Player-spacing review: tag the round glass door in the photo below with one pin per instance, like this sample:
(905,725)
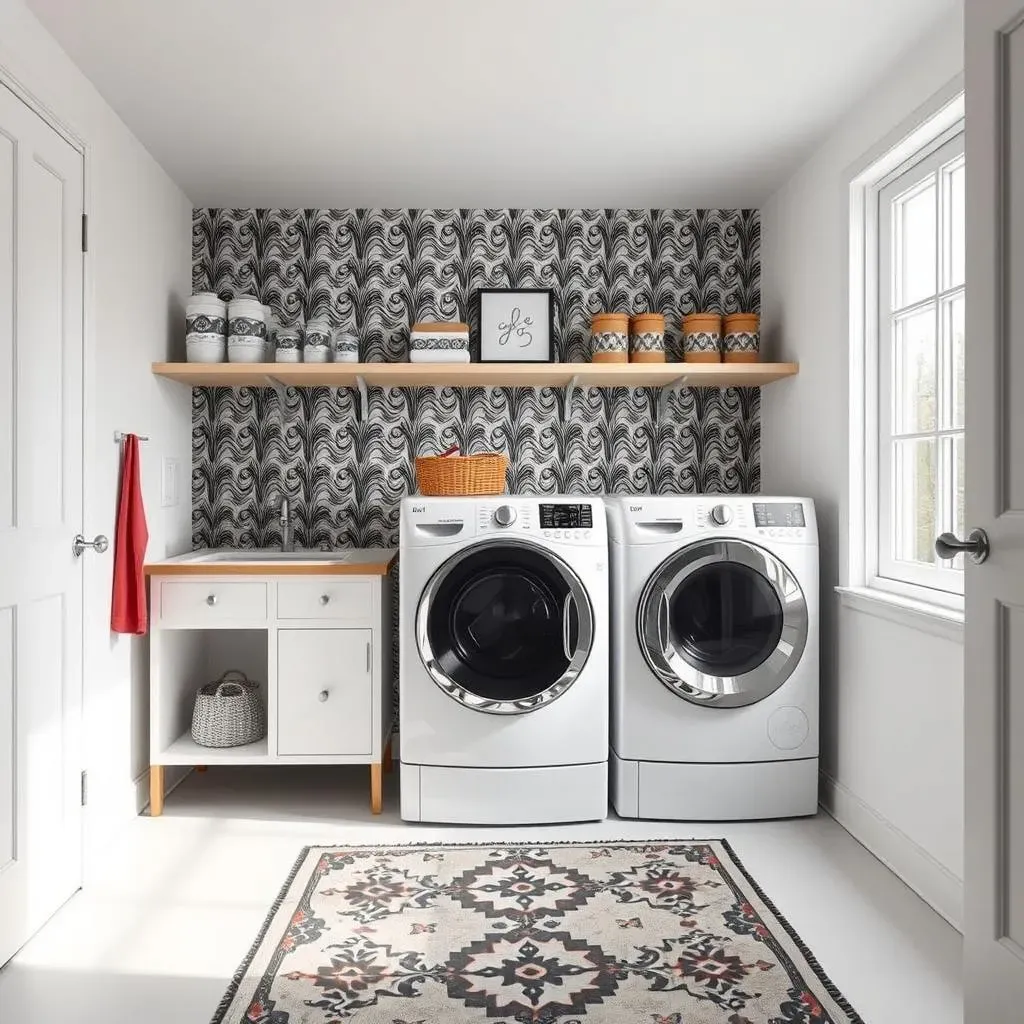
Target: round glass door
(504,627)
(722,623)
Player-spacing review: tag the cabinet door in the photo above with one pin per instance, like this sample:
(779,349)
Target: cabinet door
(324,692)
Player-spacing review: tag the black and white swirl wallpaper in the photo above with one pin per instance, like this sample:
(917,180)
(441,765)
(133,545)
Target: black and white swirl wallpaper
(375,272)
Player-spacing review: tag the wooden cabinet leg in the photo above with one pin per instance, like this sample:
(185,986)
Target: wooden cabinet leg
(387,758)
(376,787)
(156,790)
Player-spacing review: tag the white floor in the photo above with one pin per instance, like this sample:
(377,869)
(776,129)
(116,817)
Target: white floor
(181,899)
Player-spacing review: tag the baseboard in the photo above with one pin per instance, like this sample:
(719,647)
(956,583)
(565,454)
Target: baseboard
(932,881)
(174,776)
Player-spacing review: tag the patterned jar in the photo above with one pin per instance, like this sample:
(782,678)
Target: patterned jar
(609,338)
(742,338)
(345,347)
(289,345)
(247,330)
(702,338)
(318,340)
(206,328)
(647,338)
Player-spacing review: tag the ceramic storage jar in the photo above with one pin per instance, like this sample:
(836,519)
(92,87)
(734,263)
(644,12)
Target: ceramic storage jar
(702,338)
(247,330)
(741,340)
(609,338)
(345,347)
(647,338)
(318,340)
(206,328)
(289,345)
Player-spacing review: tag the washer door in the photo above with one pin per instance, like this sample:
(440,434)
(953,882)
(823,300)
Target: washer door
(722,623)
(504,627)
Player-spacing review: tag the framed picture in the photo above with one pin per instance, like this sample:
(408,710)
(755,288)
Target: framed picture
(517,325)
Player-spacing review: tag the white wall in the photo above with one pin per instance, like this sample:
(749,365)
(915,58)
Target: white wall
(138,278)
(892,745)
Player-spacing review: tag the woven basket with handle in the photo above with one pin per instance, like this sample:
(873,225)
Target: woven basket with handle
(228,712)
(443,475)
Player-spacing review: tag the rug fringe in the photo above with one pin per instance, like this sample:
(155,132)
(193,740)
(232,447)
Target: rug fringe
(826,982)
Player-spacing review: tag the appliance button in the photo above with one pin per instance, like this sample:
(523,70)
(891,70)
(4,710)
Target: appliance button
(721,515)
(547,533)
(504,515)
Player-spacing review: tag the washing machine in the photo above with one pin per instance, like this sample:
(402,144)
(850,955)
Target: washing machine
(715,674)
(503,660)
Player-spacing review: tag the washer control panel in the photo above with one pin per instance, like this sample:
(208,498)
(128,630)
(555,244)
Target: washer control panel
(553,520)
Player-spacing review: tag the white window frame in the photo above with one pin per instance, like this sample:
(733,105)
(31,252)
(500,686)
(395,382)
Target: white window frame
(863,571)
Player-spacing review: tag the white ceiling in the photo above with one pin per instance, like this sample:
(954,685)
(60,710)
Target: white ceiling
(483,102)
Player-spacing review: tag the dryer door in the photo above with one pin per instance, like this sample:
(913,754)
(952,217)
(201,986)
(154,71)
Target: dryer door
(504,627)
(722,623)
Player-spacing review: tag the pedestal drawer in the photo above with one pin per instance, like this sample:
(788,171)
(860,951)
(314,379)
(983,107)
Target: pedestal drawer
(211,603)
(338,598)
(324,692)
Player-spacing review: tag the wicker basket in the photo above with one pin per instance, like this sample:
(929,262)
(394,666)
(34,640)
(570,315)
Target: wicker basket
(443,475)
(228,712)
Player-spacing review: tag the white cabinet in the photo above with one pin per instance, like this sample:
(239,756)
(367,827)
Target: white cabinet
(324,692)
(318,645)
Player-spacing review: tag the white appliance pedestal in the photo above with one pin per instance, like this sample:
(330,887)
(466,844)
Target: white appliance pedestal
(714,792)
(505,796)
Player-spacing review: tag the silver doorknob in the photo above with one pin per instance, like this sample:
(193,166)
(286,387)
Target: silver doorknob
(323,696)
(505,515)
(99,544)
(976,547)
(211,600)
(325,598)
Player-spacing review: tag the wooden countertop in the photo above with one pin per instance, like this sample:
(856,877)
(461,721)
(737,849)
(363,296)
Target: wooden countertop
(347,562)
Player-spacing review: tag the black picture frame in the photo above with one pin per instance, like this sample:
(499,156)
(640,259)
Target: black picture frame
(492,349)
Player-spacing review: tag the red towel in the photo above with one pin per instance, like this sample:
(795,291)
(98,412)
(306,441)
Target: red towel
(128,613)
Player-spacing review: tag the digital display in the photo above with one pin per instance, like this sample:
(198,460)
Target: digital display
(566,517)
(788,513)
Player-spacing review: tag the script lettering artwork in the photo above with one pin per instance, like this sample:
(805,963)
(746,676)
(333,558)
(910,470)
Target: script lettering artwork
(519,326)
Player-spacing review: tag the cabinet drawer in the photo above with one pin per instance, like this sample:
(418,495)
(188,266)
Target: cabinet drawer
(338,599)
(324,692)
(210,603)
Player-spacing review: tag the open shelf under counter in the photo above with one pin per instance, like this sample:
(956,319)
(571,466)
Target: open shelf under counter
(185,751)
(525,375)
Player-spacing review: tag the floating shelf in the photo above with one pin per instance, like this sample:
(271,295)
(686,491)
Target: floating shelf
(525,375)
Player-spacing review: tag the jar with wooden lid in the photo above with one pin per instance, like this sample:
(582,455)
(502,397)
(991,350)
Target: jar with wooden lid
(647,338)
(741,341)
(609,338)
(702,338)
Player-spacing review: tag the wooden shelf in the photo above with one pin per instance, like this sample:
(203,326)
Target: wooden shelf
(525,375)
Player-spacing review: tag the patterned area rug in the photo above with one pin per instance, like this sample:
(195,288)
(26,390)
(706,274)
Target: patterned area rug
(652,932)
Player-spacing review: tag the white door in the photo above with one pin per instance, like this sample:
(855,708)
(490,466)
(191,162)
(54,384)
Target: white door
(40,513)
(994,637)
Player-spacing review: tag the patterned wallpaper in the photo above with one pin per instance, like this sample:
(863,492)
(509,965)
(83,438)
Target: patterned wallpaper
(377,271)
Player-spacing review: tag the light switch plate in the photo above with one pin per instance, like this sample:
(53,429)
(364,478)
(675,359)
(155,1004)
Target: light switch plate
(169,482)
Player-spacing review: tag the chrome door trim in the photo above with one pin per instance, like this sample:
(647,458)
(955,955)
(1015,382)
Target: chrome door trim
(671,666)
(584,642)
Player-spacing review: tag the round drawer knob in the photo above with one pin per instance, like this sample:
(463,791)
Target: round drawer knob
(211,600)
(323,695)
(325,598)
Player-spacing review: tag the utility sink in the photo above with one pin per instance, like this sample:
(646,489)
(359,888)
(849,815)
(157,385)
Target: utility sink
(257,555)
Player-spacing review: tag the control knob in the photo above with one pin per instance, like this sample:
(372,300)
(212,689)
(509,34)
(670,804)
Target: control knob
(721,514)
(504,515)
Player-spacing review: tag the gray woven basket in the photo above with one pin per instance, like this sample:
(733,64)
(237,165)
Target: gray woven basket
(228,712)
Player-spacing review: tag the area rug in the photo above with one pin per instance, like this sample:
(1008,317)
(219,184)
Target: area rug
(653,932)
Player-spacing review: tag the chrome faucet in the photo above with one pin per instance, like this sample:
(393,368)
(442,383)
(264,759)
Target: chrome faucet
(287,536)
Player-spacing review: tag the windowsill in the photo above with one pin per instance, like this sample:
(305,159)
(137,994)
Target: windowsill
(907,611)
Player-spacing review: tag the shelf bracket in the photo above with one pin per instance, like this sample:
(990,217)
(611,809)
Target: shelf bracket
(364,401)
(666,390)
(570,390)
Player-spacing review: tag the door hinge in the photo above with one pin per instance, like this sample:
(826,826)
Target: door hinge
(85,788)
(85,232)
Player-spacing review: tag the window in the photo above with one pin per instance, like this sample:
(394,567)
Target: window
(918,478)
